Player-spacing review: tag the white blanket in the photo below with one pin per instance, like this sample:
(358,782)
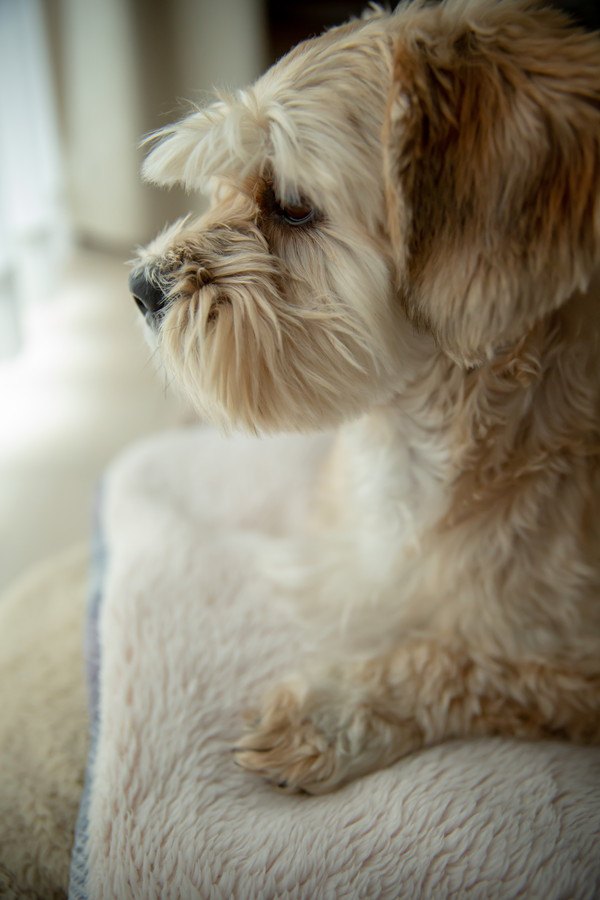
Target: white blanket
(191,635)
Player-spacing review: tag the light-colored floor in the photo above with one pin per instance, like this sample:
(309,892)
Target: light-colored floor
(83,387)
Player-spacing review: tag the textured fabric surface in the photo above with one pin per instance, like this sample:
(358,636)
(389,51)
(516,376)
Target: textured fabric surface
(191,634)
(79,861)
(43,725)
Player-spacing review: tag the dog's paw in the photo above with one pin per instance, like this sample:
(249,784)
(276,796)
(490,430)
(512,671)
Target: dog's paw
(313,737)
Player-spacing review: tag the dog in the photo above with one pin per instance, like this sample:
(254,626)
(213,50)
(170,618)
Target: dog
(403,244)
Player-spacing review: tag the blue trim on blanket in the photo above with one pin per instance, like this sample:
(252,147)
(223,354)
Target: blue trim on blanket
(79,856)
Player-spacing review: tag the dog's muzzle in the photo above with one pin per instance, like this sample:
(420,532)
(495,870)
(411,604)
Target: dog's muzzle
(149,298)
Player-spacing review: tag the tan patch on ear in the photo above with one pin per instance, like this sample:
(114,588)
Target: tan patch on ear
(403,117)
(526,422)
(493,170)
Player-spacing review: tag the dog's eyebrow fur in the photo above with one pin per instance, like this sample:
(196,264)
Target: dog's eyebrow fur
(216,141)
(245,131)
(232,140)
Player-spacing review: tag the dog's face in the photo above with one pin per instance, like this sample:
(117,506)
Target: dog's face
(409,184)
(280,303)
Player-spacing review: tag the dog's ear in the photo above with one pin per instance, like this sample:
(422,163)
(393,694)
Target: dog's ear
(492,169)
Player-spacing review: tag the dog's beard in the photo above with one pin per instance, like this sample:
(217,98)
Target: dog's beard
(257,347)
(249,357)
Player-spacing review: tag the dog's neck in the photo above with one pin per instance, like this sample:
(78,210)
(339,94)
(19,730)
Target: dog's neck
(456,444)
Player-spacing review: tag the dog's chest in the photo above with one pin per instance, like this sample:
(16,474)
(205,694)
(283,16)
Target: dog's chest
(397,479)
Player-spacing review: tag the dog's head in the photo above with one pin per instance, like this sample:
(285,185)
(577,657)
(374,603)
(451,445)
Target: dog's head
(407,184)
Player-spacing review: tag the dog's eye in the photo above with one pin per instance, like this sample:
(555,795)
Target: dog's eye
(292,212)
(296,213)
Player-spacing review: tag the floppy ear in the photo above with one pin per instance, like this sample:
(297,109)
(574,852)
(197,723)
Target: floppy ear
(492,168)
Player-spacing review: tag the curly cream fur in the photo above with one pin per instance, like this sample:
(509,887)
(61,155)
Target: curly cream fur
(444,309)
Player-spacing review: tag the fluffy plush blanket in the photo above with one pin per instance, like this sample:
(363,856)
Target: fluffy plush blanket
(190,634)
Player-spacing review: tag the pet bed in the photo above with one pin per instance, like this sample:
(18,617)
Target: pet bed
(190,634)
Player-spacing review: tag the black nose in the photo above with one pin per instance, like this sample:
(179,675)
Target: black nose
(149,298)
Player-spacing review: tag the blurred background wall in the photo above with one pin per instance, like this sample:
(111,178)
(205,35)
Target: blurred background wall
(81,82)
(122,68)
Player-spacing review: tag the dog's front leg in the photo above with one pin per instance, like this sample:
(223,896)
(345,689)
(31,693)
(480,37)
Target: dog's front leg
(318,731)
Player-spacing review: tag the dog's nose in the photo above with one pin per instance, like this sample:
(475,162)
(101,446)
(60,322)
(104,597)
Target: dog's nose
(149,298)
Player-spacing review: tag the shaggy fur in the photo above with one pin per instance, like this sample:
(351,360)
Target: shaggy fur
(442,307)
